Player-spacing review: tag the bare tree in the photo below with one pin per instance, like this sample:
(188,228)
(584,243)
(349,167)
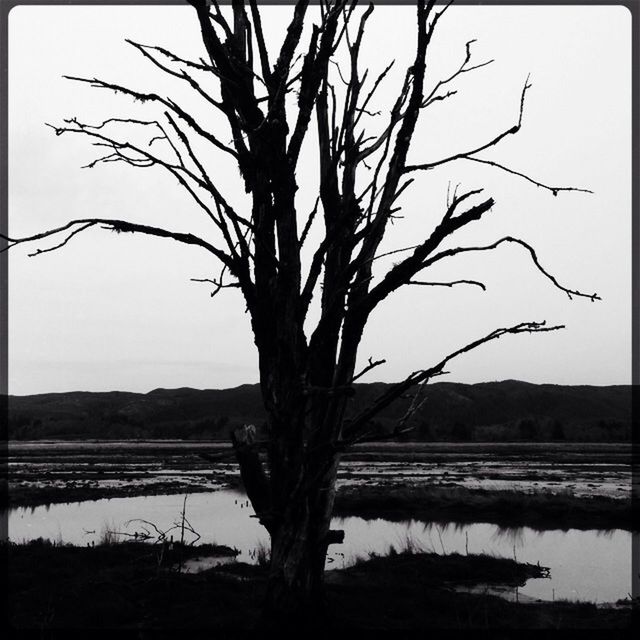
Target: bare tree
(306,376)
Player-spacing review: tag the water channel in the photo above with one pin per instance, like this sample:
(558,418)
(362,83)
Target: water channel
(591,565)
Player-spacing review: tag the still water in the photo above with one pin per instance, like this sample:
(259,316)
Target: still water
(590,565)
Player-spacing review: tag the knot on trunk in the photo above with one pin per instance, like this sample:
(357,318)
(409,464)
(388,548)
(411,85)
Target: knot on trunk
(243,437)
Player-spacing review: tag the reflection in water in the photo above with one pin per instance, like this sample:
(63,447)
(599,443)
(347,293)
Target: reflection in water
(513,536)
(589,565)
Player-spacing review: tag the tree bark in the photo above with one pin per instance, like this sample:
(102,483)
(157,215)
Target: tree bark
(295,595)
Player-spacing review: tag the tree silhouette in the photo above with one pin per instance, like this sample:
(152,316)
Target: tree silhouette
(269,106)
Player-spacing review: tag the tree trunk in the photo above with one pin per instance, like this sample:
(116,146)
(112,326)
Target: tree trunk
(295,589)
(294,595)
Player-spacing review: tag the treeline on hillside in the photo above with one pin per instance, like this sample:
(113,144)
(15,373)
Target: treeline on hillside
(116,426)
(486,412)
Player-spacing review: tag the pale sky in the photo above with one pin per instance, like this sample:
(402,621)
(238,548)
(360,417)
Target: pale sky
(118,312)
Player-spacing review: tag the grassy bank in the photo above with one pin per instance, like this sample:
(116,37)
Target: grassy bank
(541,510)
(419,591)
(123,586)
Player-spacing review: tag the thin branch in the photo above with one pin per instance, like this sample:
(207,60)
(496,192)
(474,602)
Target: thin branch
(394,251)
(432,97)
(439,98)
(448,284)
(554,190)
(149,160)
(376,84)
(371,365)
(309,222)
(424,375)
(154,97)
(399,428)
(218,18)
(122,226)
(411,92)
(339,70)
(174,58)
(220,201)
(314,274)
(522,243)
(314,71)
(37,252)
(468,155)
(218,284)
(259,35)
(511,131)
(404,271)
(182,75)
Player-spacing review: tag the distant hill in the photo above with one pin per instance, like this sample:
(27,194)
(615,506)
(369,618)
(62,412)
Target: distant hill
(491,411)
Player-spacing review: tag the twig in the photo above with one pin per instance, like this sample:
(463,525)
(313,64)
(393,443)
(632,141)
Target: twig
(370,365)
(448,284)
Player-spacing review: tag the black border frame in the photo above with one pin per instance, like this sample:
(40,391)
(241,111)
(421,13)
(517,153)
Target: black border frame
(634,8)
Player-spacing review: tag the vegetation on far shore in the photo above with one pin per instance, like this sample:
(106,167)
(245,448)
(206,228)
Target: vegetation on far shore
(508,508)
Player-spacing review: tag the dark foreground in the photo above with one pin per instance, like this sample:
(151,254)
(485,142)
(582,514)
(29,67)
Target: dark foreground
(129,586)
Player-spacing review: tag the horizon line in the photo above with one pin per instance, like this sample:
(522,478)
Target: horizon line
(251,384)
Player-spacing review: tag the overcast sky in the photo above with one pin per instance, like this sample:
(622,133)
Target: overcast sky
(118,312)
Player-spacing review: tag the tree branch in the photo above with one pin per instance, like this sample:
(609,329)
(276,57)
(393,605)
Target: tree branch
(218,284)
(309,222)
(467,155)
(399,428)
(121,226)
(259,35)
(554,190)
(511,131)
(314,71)
(424,375)
(432,97)
(522,243)
(294,31)
(371,365)
(402,272)
(182,75)
(154,97)
(448,284)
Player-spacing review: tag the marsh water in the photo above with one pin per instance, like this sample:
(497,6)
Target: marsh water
(582,469)
(589,565)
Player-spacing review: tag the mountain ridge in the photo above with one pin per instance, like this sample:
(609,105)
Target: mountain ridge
(499,410)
